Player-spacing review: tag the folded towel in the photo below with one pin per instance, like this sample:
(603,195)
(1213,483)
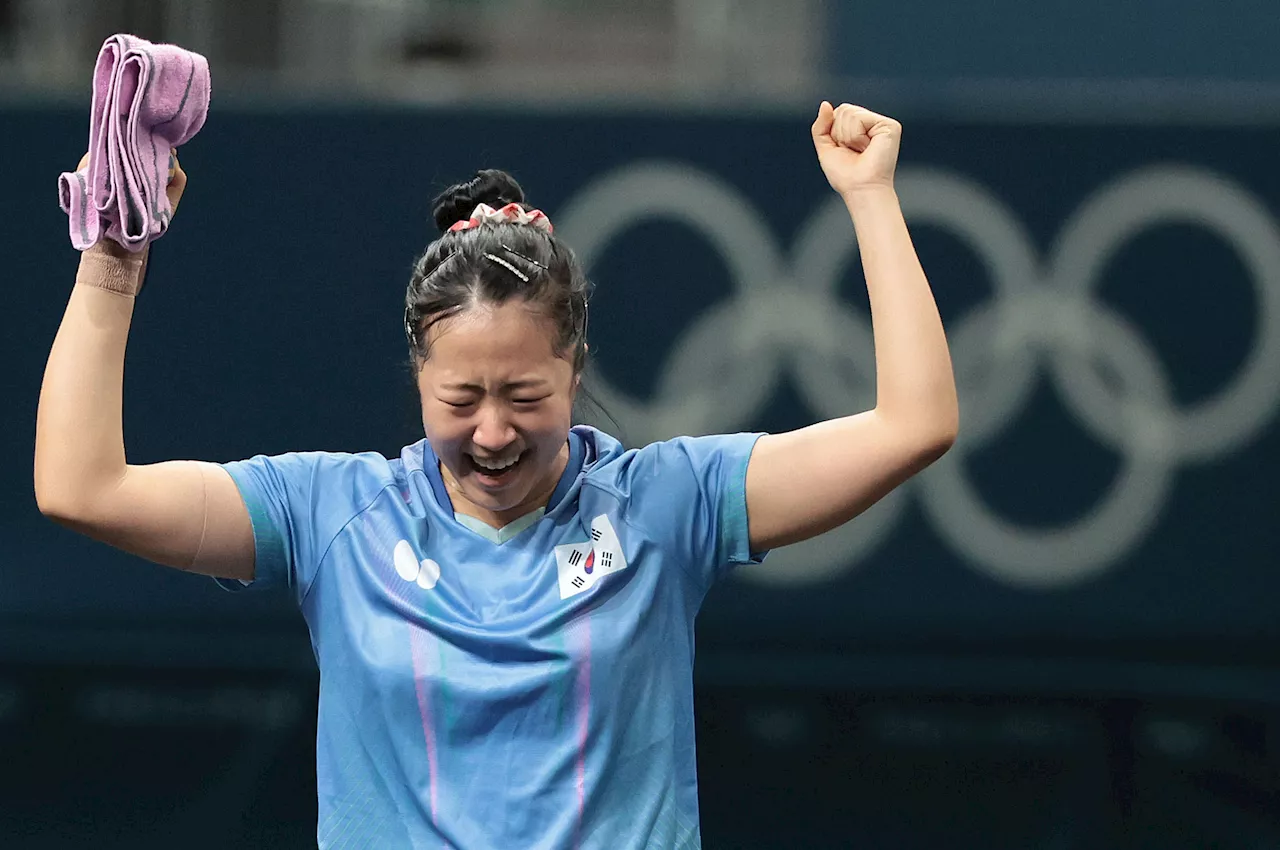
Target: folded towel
(147,99)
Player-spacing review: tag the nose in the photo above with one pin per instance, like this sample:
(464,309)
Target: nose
(493,431)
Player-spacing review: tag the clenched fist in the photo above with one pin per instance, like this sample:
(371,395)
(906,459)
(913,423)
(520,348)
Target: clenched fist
(176,186)
(857,148)
(177,179)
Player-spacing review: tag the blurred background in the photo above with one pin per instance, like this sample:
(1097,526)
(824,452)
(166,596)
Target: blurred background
(1062,636)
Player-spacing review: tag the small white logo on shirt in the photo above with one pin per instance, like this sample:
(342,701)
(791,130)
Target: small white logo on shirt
(581,565)
(426,573)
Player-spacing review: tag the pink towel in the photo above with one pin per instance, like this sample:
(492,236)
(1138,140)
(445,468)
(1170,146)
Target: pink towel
(147,99)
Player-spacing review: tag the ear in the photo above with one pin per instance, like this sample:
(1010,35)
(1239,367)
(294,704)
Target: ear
(577,379)
(586,355)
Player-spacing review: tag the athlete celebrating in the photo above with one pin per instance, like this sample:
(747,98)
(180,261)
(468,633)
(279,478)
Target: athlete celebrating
(503,615)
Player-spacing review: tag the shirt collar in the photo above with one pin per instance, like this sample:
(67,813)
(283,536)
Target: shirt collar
(577,455)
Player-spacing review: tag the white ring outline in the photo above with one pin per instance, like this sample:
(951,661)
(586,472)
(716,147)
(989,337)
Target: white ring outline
(1039,317)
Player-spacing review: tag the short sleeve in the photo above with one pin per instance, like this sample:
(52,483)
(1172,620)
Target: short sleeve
(692,491)
(298,503)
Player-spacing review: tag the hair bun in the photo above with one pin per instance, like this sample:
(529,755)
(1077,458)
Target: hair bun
(490,186)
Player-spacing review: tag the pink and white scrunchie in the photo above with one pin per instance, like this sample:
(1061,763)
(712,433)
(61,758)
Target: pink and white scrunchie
(510,214)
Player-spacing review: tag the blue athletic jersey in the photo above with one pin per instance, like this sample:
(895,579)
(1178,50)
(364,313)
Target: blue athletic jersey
(529,688)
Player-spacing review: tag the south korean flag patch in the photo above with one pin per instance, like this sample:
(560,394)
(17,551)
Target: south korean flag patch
(580,565)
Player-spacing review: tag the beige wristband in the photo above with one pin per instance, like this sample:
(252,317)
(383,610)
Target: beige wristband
(110,271)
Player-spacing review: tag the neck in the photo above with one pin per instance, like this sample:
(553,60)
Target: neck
(538,497)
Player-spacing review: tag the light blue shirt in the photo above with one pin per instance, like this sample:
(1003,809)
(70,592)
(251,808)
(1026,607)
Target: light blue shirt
(523,690)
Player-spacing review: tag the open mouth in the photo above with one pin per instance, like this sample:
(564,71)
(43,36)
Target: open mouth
(495,473)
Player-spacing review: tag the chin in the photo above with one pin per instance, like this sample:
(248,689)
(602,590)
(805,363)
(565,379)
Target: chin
(496,502)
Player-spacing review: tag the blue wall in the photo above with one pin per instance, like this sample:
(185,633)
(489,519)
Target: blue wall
(1082,39)
(1007,665)
(271,323)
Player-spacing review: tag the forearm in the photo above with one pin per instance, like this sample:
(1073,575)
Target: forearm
(914,381)
(79,433)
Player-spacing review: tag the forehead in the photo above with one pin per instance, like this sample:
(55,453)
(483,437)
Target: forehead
(493,341)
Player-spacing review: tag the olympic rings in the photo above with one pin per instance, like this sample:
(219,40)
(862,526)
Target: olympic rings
(787,319)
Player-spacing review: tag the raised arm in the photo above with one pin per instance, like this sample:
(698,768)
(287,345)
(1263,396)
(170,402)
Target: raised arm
(805,482)
(183,514)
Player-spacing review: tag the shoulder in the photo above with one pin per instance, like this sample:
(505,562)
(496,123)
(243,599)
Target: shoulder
(325,475)
(678,465)
(686,495)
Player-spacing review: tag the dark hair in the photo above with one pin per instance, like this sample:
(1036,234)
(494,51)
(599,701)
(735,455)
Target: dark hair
(493,264)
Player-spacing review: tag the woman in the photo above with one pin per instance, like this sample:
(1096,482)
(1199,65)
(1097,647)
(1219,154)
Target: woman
(503,615)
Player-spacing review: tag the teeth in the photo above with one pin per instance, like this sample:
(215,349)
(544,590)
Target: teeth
(494,466)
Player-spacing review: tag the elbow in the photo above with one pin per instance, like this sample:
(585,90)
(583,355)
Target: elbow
(927,426)
(934,447)
(51,502)
(945,423)
(935,440)
(50,499)
(65,505)
(72,514)
(64,496)
(948,431)
(58,507)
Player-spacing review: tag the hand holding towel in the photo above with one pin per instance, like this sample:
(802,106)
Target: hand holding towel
(147,99)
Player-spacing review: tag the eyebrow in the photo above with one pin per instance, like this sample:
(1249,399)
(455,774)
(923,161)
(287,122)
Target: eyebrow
(526,384)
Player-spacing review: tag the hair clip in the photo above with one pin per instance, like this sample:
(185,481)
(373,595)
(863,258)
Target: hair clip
(408,327)
(530,260)
(440,265)
(506,265)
